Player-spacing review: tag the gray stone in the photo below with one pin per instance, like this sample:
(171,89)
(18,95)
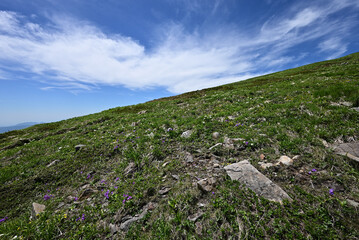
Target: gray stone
(129,220)
(164,190)
(37,209)
(266,165)
(285,160)
(113,228)
(351,150)
(187,134)
(53,163)
(206,184)
(356,109)
(142,112)
(228,143)
(215,135)
(175,177)
(245,173)
(79,147)
(134,124)
(218,144)
(86,194)
(188,157)
(195,216)
(130,168)
(352,203)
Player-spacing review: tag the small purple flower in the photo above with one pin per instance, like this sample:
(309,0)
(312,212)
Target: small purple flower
(48,190)
(76,198)
(133,183)
(246,143)
(83,217)
(331,191)
(115,187)
(3,219)
(213,193)
(117,179)
(88,176)
(81,172)
(310,172)
(47,197)
(314,170)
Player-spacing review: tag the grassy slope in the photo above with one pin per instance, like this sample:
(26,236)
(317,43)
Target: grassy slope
(285,113)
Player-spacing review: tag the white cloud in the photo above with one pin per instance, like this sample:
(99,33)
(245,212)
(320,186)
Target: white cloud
(334,46)
(73,54)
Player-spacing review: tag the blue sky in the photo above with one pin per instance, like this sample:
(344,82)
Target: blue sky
(60,59)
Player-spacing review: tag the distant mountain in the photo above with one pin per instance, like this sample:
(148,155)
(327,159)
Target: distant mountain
(17,126)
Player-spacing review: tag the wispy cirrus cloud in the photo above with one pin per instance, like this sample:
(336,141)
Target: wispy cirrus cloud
(73,54)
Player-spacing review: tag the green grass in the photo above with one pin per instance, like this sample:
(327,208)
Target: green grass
(284,113)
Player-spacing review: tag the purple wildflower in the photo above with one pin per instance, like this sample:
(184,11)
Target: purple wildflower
(246,143)
(115,187)
(331,191)
(3,219)
(76,198)
(117,179)
(314,170)
(310,172)
(83,217)
(88,176)
(106,194)
(47,197)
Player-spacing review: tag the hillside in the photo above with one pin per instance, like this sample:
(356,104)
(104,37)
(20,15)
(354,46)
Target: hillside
(159,170)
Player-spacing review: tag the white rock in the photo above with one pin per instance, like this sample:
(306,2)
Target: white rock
(187,134)
(285,161)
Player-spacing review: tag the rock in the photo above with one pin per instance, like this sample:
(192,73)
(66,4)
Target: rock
(325,143)
(164,190)
(262,156)
(130,168)
(199,228)
(231,117)
(352,203)
(218,144)
(245,173)
(52,163)
(285,161)
(37,208)
(266,165)
(113,228)
(134,124)
(228,143)
(206,184)
(351,150)
(165,164)
(129,220)
(142,112)
(216,165)
(356,109)
(189,157)
(87,193)
(175,177)
(79,147)
(215,135)
(187,134)
(195,216)
(346,104)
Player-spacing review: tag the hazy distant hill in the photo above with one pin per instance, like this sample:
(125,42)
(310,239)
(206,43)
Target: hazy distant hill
(17,126)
